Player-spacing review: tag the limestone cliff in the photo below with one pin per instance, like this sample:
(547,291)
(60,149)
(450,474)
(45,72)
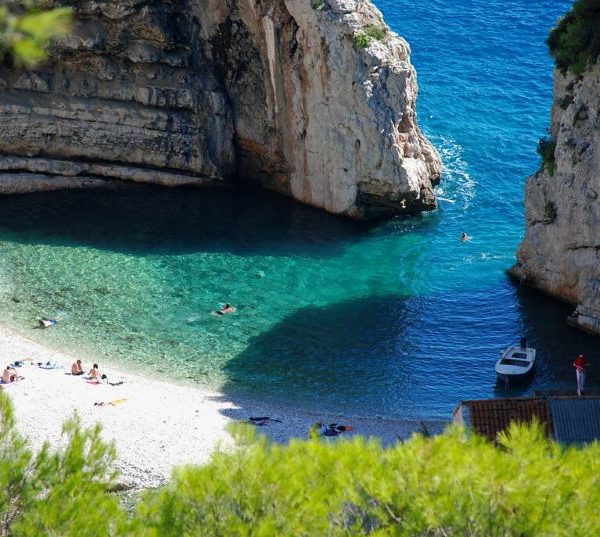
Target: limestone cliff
(216,91)
(561,250)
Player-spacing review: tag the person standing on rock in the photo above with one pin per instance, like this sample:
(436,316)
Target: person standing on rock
(580,364)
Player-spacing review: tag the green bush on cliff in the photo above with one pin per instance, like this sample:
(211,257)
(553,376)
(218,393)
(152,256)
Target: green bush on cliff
(575,42)
(450,485)
(26,29)
(545,149)
(363,38)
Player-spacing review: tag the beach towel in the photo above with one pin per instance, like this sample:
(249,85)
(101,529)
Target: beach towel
(114,402)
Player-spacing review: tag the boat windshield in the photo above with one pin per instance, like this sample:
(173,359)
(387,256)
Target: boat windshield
(512,361)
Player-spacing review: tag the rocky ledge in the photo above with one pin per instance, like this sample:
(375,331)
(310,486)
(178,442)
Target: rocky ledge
(314,99)
(560,254)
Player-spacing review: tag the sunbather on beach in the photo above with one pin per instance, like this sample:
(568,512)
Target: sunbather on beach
(21,362)
(10,375)
(94,373)
(77,368)
(320,429)
(262,420)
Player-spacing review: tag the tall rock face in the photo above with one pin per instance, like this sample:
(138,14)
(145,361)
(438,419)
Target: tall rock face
(276,92)
(560,254)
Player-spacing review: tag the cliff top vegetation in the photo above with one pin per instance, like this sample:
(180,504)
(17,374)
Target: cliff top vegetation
(575,41)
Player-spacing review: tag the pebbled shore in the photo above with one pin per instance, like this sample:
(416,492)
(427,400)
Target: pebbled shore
(160,424)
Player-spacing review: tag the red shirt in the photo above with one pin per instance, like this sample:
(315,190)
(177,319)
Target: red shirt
(580,363)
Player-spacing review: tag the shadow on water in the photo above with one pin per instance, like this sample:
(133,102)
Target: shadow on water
(146,219)
(337,357)
(409,356)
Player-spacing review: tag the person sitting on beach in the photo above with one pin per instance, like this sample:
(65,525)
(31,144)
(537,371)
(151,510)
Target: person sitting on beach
(7,375)
(77,368)
(227,308)
(47,323)
(10,375)
(94,373)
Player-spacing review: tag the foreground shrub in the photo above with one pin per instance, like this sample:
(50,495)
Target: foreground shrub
(56,492)
(575,42)
(28,27)
(457,484)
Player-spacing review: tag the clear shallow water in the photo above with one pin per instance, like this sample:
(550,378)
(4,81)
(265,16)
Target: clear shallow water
(399,319)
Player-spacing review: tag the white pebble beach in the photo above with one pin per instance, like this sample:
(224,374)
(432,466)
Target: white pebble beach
(156,425)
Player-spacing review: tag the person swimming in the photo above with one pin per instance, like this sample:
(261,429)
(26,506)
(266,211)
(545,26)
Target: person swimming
(464,237)
(227,308)
(47,323)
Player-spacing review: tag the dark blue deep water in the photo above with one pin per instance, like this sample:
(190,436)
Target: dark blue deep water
(398,319)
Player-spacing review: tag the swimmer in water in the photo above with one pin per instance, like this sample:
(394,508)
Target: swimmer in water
(464,237)
(227,308)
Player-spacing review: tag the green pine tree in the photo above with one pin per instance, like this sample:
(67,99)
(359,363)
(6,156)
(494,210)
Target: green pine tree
(27,28)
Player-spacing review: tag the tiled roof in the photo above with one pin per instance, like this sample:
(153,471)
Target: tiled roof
(576,420)
(489,417)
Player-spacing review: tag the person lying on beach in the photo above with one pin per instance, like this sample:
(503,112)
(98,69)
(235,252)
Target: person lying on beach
(262,420)
(320,429)
(49,365)
(334,429)
(227,308)
(21,362)
(47,323)
(77,368)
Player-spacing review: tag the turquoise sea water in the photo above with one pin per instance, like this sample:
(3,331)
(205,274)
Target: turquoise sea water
(399,318)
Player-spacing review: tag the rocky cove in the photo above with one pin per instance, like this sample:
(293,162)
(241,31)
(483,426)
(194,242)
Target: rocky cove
(136,271)
(280,93)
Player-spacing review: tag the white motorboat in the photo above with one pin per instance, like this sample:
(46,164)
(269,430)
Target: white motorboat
(515,363)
